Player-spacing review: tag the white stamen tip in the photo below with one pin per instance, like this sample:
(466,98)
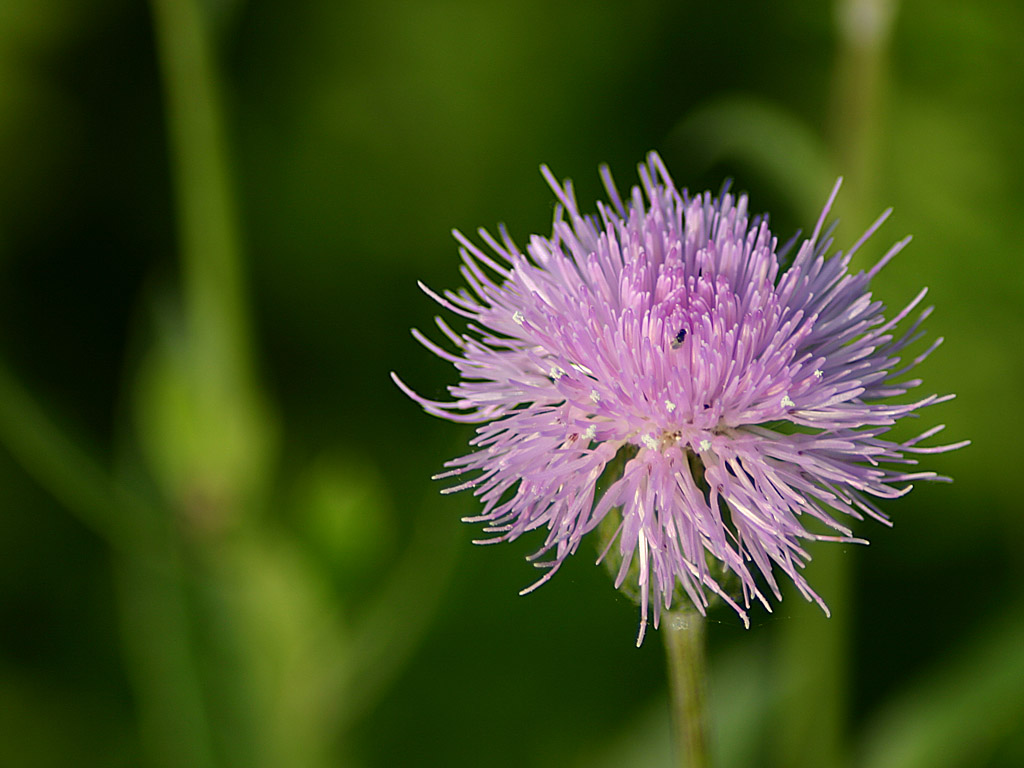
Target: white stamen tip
(818,373)
(705,444)
(786,402)
(517,317)
(590,432)
(595,395)
(670,406)
(649,442)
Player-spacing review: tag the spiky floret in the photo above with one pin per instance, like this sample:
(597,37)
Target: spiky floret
(740,397)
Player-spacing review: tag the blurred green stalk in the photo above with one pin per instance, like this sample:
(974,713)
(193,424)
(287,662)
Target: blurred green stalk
(815,653)
(207,430)
(215,304)
(856,119)
(199,421)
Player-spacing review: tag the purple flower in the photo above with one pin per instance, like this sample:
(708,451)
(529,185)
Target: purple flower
(664,348)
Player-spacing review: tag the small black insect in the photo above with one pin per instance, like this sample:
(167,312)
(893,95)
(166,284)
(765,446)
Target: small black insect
(678,340)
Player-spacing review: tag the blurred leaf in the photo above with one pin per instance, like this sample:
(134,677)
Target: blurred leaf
(388,630)
(72,474)
(644,739)
(275,642)
(764,136)
(743,694)
(962,710)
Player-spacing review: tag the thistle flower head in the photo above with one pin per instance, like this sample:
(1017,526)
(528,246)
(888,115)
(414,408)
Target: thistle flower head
(723,399)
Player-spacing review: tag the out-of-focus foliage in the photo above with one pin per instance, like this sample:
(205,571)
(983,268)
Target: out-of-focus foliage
(218,540)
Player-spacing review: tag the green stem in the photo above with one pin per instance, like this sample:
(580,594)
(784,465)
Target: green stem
(815,653)
(857,111)
(814,661)
(215,302)
(159,651)
(687,668)
(208,431)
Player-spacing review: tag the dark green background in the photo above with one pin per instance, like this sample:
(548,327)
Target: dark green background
(322,605)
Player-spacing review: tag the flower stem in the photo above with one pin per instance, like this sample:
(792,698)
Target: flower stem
(687,670)
(215,301)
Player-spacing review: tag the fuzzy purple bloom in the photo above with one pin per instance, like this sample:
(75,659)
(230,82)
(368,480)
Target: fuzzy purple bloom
(739,397)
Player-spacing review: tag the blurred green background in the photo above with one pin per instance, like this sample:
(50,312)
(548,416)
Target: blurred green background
(219,545)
